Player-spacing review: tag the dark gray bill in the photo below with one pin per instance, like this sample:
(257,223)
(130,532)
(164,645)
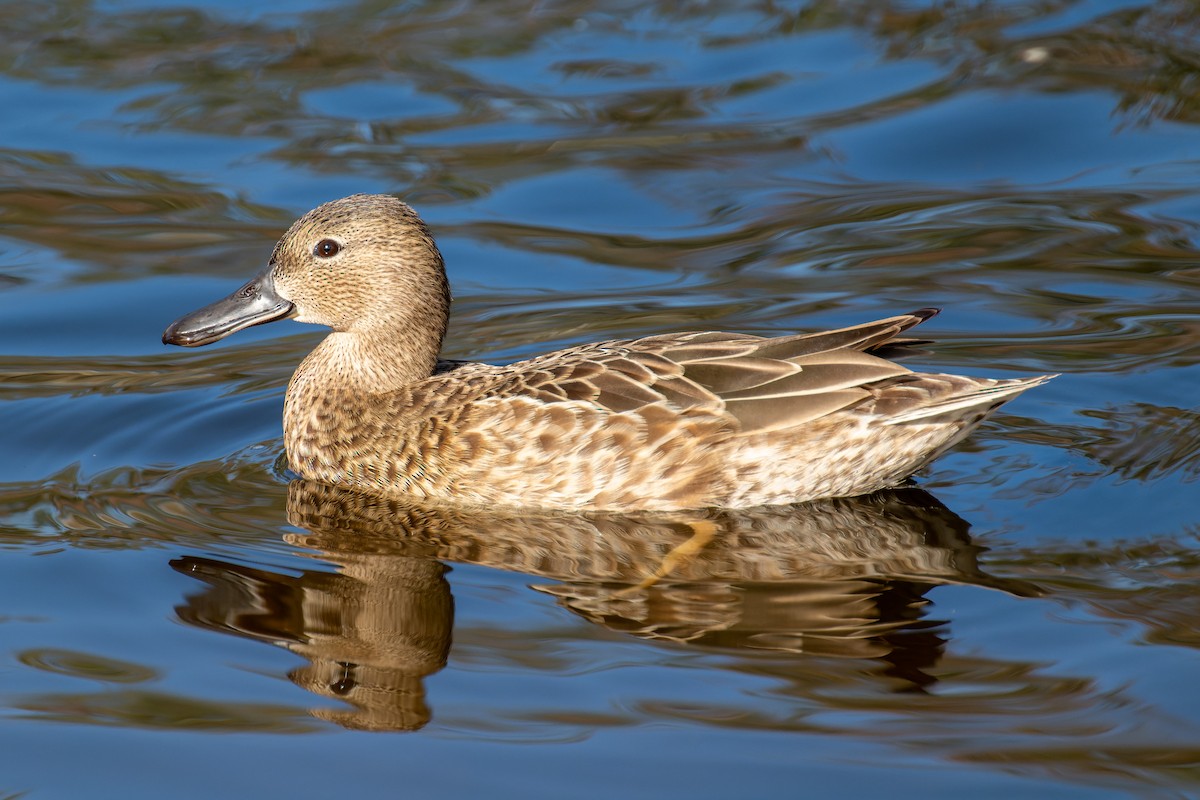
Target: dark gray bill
(253,304)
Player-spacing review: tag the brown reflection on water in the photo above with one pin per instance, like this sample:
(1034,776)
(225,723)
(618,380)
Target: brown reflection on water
(370,633)
(839,578)
(133,508)
(123,222)
(120,702)
(248,78)
(1144,442)
(141,708)
(1150,585)
(1139,442)
(264,365)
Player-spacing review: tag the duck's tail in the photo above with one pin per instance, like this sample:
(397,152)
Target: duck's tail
(984,392)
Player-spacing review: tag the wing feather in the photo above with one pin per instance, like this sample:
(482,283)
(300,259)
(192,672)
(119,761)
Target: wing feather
(766,384)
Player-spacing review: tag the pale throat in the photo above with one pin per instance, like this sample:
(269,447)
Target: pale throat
(353,362)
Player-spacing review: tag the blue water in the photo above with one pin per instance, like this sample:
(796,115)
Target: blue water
(176,621)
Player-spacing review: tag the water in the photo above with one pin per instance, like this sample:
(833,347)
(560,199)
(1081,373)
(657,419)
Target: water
(177,620)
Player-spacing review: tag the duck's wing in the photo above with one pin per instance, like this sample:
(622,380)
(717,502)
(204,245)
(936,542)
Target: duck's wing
(765,383)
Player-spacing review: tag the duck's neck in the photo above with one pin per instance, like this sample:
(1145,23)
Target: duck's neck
(392,343)
(348,362)
(378,358)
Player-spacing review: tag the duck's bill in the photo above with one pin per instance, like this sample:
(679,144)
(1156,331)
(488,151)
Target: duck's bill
(253,304)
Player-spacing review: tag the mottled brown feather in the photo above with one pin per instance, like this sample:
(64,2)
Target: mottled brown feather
(670,421)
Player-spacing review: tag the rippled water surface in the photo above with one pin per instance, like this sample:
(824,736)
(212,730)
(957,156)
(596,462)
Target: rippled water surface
(177,620)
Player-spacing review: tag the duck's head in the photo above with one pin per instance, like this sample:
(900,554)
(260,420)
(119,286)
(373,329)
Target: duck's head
(359,264)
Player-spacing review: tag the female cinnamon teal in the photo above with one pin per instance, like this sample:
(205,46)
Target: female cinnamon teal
(683,420)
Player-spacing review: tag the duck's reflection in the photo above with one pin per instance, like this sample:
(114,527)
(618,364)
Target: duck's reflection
(840,577)
(370,633)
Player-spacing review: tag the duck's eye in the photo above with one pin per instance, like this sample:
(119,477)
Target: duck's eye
(327,248)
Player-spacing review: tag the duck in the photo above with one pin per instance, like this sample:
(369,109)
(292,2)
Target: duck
(669,422)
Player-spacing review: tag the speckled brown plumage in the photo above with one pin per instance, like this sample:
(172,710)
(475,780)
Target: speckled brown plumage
(677,421)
